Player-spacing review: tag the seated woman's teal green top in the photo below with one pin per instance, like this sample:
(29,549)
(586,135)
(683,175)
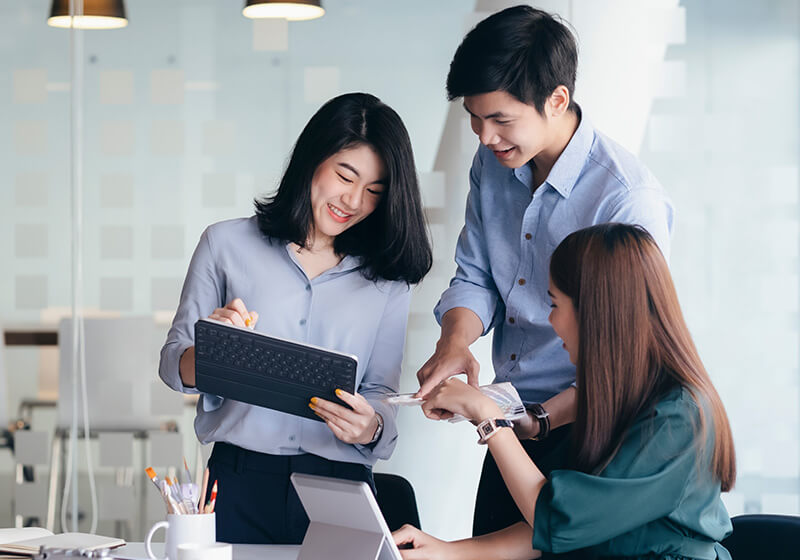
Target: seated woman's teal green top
(655,499)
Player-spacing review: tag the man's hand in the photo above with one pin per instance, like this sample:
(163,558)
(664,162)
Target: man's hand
(460,328)
(451,358)
(526,427)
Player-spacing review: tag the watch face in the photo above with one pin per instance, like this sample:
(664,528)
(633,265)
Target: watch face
(486,429)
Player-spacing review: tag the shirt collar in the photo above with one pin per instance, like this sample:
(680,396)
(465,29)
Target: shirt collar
(348,263)
(569,164)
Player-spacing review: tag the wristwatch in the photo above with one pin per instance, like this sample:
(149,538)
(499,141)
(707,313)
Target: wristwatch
(543,417)
(489,427)
(378,431)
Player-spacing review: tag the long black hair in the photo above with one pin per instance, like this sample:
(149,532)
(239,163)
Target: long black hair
(393,240)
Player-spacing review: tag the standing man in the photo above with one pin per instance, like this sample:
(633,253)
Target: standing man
(541,172)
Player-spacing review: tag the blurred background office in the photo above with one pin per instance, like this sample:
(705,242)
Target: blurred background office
(125,143)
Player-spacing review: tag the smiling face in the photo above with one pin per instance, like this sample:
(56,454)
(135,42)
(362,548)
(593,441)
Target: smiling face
(345,189)
(564,320)
(513,130)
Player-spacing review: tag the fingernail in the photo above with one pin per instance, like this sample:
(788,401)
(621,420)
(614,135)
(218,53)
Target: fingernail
(338,392)
(248,321)
(312,407)
(314,400)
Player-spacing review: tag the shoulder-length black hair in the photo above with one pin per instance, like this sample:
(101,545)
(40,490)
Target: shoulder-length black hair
(392,241)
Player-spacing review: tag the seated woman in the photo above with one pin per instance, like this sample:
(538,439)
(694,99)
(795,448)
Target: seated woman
(652,447)
(328,260)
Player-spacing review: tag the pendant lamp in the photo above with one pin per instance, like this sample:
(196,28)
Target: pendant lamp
(293,10)
(97,14)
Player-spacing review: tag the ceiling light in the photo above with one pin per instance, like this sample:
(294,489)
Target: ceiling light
(293,10)
(97,14)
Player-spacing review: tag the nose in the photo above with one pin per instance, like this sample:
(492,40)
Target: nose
(352,198)
(485,131)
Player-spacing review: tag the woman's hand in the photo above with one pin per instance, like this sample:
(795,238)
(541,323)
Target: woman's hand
(453,396)
(423,546)
(235,313)
(351,426)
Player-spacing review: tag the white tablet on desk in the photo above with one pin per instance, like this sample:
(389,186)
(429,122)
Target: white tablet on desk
(346,522)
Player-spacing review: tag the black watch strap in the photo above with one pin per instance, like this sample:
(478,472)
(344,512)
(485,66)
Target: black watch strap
(543,417)
(489,427)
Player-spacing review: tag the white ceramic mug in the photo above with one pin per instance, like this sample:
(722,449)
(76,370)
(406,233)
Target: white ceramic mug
(213,551)
(198,528)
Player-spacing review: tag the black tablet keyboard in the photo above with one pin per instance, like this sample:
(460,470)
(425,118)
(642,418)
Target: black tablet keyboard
(251,367)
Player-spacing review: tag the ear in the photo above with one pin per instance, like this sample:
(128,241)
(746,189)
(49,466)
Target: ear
(558,102)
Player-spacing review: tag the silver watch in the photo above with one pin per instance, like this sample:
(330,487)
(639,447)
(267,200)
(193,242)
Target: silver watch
(378,431)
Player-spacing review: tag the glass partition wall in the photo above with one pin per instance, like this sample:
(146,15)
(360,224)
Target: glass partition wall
(190,111)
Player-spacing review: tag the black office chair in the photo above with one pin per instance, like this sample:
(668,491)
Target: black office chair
(397,501)
(754,537)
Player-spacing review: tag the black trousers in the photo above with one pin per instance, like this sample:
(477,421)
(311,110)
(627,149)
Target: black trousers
(494,507)
(256,502)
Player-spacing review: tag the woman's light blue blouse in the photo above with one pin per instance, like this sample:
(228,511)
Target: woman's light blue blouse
(338,309)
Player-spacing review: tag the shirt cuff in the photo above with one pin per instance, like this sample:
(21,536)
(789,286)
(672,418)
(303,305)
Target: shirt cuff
(383,448)
(210,402)
(476,299)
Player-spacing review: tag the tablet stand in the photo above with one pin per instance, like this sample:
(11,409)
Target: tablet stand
(335,542)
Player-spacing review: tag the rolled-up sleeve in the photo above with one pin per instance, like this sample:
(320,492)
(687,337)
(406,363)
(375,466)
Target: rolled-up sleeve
(472,286)
(201,294)
(382,374)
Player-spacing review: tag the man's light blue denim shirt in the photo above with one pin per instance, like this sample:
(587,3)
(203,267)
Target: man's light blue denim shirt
(503,252)
(339,309)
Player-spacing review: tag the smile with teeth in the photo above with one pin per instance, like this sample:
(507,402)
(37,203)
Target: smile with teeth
(338,213)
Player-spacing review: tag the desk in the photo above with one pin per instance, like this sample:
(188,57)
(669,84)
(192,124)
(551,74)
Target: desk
(135,551)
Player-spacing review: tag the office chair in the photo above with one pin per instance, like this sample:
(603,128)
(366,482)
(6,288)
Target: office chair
(776,537)
(397,501)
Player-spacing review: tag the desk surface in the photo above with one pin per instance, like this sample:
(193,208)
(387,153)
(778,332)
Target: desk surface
(135,551)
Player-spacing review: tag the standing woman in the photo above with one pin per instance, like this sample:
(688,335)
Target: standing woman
(652,446)
(328,260)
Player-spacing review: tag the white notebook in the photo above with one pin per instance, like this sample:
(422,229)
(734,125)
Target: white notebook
(26,541)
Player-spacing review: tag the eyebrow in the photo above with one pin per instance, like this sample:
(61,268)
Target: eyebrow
(357,174)
(495,115)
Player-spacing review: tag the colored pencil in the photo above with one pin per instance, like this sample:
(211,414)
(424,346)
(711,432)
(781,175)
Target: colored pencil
(202,502)
(213,501)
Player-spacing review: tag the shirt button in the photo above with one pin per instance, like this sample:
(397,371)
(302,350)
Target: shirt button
(513,356)
(511,320)
(521,281)
(291,438)
(528,236)
(308,287)
(302,321)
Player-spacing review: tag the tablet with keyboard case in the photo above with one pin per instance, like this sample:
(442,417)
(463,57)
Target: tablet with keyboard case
(248,366)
